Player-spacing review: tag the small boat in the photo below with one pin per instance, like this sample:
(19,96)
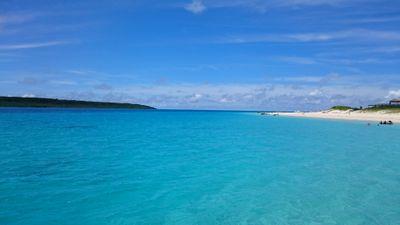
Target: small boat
(269,114)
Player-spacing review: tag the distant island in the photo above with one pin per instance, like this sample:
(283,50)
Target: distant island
(60,103)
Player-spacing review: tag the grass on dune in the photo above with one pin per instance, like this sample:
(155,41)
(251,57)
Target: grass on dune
(342,108)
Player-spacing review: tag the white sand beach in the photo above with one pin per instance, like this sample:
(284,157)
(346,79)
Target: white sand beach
(349,115)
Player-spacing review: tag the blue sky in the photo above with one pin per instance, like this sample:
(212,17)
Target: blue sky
(203,54)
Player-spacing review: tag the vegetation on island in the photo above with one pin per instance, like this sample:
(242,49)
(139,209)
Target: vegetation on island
(342,108)
(372,108)
(389,108)
(59,103)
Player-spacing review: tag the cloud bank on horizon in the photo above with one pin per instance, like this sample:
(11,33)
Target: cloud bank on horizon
(203,54)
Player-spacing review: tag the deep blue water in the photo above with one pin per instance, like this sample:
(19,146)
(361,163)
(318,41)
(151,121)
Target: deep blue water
(186,167)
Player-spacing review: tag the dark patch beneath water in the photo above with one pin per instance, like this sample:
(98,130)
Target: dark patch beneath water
(79,127)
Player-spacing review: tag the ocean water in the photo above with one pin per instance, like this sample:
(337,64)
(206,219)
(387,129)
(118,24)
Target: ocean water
(71,167)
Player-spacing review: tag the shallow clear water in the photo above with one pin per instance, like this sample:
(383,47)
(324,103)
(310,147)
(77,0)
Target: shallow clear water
(185,167)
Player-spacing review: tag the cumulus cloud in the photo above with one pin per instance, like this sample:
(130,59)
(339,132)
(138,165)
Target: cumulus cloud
(276,93)
(393,94)
(315,92)
(195,97)
(273,96)
(196,7)
(267,96)
(28,96)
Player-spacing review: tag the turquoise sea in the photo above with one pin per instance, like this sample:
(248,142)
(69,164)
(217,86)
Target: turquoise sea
(95,167)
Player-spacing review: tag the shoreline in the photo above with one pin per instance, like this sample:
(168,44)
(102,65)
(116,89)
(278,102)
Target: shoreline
(347,115)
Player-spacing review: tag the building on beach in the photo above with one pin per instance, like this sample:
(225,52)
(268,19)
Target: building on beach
(392,103)
(395,101)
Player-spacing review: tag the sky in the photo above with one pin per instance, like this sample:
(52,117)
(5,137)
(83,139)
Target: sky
(203,54)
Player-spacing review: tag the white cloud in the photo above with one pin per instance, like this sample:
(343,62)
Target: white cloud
(195,97)
(79,72)
(315,92)
(16,18)
(359,34)
(330,79)
(307,37)
(28,96)
(225,100)
(278,93)
(272,96)
(335,60)
(32,45)
(373,19)
(264,5)
(309,2)
(354,35)
(389,49)
(195,7)
(307,79)
(393,94)
(63,82)
(246,96)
